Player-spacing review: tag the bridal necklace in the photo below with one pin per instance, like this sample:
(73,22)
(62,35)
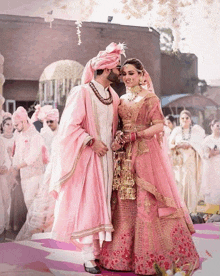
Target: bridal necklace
(189,135)
(133,92)
(106,101)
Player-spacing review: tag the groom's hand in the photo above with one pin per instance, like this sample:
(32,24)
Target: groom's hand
(99,148)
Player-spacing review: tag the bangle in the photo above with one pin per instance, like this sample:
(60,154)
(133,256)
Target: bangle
(133,136)
(91,142)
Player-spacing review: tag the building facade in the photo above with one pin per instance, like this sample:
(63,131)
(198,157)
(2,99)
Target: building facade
(29,45)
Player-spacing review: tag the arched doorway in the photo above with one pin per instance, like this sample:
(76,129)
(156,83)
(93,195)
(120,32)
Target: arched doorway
(57,80)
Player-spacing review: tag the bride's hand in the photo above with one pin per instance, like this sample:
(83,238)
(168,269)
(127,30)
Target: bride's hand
(127,138)
(115,146)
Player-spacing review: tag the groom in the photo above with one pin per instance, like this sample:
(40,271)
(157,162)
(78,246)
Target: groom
(83,171)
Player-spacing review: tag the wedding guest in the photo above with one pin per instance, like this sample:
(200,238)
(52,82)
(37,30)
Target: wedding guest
(8,140)
(50,128)
(30,155)
(211,166)
(4,191)
(38,116)
(170,123)
(186,145)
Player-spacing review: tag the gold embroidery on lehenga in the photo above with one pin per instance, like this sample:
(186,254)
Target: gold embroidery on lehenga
(147,205)
(142,147)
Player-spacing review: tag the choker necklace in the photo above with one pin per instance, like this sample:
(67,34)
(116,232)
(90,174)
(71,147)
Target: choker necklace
(133,91)
(189,135)
(107,101)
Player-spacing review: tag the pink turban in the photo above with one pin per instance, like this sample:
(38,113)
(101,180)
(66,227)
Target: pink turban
(6,115)
(107,59)
(40,112)
(20,114)
(53,115)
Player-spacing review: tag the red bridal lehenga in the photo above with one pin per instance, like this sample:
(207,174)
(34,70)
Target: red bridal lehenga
(155,226)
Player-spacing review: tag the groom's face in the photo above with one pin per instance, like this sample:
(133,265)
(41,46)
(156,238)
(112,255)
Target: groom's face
(114,74)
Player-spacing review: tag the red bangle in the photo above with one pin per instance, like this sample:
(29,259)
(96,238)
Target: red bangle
(91,142)
(133,136)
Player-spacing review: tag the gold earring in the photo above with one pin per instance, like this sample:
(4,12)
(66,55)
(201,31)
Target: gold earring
(140,80)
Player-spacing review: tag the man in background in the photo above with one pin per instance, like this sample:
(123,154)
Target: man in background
(28,155)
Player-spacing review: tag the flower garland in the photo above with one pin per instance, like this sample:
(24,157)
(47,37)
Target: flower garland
(78,32)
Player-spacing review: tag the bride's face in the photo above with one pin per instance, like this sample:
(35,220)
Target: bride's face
(130,76)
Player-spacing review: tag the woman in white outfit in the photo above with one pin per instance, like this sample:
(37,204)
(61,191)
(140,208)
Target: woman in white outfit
(186,145)
(8,140)
(211,169)
(4,191)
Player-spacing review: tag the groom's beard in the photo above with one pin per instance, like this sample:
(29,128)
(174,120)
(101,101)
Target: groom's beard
(112,77)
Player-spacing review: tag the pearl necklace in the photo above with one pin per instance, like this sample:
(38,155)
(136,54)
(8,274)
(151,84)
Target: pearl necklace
(189,135)
(133,91)
(107,101)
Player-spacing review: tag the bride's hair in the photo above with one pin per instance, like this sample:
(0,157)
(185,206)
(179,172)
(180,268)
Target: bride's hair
(187,112)
(136,63)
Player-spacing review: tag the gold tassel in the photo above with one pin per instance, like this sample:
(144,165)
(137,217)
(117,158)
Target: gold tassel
(123,177)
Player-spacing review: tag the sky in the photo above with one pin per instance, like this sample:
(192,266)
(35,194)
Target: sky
(201,36)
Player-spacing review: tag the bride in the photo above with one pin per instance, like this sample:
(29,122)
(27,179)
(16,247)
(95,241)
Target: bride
(151,224)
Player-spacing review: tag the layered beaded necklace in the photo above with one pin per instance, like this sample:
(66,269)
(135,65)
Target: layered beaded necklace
(107,101)
(189,135)
(133,92)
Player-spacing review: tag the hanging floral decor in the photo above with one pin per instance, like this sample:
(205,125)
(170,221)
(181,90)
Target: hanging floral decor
(172,14)
(80,10)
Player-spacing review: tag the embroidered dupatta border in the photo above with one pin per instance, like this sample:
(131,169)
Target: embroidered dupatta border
(153,190)
(85,233)
(69,174)
(180,212)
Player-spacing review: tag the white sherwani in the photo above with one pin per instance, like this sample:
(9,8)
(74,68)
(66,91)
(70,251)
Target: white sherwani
(104,121)
(29,149)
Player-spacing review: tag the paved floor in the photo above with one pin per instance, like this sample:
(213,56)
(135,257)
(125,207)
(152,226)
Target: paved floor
(41,257)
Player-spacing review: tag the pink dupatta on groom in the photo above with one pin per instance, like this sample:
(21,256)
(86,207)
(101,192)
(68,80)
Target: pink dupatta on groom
(77,177)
